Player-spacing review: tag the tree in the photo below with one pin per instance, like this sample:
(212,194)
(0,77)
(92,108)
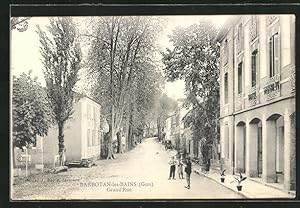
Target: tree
(19,23)
(166,106)
(30,112)
(61,56)
(147,86)
(195,59)
(120,47)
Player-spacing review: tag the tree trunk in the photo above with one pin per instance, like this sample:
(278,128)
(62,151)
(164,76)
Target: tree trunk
(110,153)
(119,138)
(61,143)
(14,157)
(158,129)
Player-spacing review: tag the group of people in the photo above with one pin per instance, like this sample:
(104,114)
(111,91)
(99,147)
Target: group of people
(180,163)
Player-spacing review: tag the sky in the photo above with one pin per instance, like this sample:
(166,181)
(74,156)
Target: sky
(25,54)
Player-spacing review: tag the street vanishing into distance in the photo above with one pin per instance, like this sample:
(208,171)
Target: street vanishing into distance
(141,173)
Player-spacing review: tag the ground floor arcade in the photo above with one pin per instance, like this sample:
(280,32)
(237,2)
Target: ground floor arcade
(261,143)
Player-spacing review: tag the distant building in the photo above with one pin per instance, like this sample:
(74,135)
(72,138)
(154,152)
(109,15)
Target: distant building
(257,97)
(175,130)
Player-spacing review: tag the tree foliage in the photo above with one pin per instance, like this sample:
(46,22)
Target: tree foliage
(120,62)
(19,23)
(61,57)
(195,60)
(30,112)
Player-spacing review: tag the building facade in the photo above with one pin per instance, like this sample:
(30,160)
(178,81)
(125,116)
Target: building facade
(82,134)
(257,97)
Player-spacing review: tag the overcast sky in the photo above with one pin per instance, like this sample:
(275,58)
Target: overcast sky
(25,54)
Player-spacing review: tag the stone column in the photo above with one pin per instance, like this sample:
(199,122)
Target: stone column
(268,149)
(222,143)
(251,149)
(289,153)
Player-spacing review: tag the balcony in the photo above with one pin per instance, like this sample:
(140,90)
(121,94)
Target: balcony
(272,87)
(293,79)
(253,96)
(239,102)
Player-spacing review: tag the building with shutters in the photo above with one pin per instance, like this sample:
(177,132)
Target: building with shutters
(83,134)
(257,97)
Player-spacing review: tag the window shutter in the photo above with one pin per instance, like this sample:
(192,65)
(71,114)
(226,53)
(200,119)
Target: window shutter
(276,54)
(271,57)
(240,78)
(226,87)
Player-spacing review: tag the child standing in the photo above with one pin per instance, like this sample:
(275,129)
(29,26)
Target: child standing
(179,168)
(172,164)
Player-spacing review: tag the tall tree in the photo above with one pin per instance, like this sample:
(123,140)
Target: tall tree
(19,23)
(195,59)
(61,56)
(120,45)
(30,110)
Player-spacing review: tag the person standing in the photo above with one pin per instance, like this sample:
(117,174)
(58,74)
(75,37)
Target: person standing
(179,168)
(172,164)
(188,171)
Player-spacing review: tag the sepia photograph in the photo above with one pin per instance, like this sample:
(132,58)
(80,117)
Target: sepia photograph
(152,107)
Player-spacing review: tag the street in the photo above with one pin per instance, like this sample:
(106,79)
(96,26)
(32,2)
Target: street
(139,174)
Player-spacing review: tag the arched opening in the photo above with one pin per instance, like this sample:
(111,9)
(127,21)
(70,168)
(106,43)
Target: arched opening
(274,147)
(240,147)
(254,153)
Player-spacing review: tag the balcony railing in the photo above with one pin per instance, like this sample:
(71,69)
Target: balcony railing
(253,96)
(239,102)
(272,87)
(293,79)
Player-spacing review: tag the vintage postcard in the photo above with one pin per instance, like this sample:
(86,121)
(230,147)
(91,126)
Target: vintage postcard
(152,107)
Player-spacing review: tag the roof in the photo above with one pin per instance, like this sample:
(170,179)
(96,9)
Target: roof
(80,95)
(226,27)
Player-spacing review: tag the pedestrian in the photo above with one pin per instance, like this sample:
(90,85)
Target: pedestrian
(180,167)
(188,171)
(172,164)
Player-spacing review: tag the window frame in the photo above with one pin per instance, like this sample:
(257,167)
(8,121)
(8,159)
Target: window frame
(240,77)
(226,88)
(254,56)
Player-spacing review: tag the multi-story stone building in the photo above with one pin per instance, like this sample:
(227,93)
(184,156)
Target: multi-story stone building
(257,97)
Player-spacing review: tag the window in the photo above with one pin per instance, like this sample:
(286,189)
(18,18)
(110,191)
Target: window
(93,138)
(253,28)
(240,78)
(99,137)
(226,87)
(225,52)
(89,138)
(34,142)
(240,38)
(254,58)
(274,55)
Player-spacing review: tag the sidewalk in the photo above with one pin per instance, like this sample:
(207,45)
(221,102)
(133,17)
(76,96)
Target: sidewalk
(251,188)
